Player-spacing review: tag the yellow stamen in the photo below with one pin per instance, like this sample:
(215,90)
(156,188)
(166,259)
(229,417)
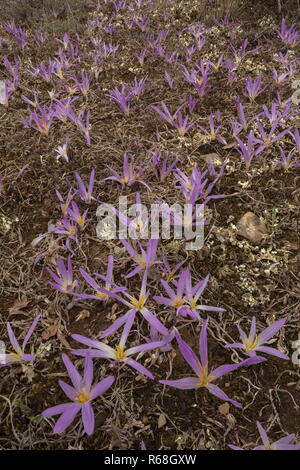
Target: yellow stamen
(139,303)
(193,303)
(80,220)
(101,294)
(141,262)
(250,345)
(15,356)
(203,377)
(83,396)
(120,354)
(72,230)
(181,131)
(178,302)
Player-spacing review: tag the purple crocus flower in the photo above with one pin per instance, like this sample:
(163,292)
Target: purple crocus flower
(143,260)
(136,304)
(81,395)
(254,87)
(86,194)
(296,137)
(192,295)
(19,33)
(138,86)
(168,272)
(213,132)
(242,53)
(46,71)
(286,160)
(267,139)
(141,56)
(243,122)
(65,227)
(192,103)
(19,354)
(246,150)
(40,122)
(255,342)
(282,444)
(181,123)
(165,113)
(130,174)
(84,84)
(280,78)
(161,167)
(83,124)
(122,98)
(196,186)
(109,289)
(76,215)
(64,280)
(289,36)
(34,102)
(204,378)
(119,353)
(64,204)
(175,299)
(216,66)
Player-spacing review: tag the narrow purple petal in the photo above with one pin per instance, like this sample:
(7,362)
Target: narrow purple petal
(183,384)
(88,372)
(102,387)
(12,338)
(269,332)
(56,410)
(72,371)
(31,330)
(215,390)
(66,418)
(69,391)
(273,352)
(141,369)
(263,434)
(188,354)
(203,344)
(88,418)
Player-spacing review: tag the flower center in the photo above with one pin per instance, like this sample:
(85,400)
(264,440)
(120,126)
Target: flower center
(72,230)
(204,379)
(120,353)
(139,303)
(141,262)
(178,302)
(83,395)
(250,345)
(80,220)
(68,287)
(193,303)
(100,294)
